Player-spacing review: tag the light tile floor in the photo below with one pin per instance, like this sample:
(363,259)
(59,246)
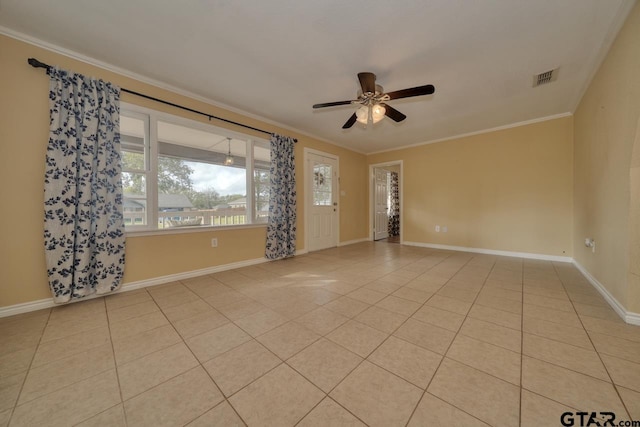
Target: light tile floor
(368,334)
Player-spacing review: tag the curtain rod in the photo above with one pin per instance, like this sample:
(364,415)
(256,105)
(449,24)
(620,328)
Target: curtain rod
(37,64)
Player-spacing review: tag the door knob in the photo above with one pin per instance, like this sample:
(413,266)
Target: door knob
(335,203)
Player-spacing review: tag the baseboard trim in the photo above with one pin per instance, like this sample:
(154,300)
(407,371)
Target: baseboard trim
(189,274)
(491,252)
(26,307)
(352,242)
(628,316)
(632,318)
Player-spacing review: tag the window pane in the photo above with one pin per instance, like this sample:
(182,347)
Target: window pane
(261,180)
(262,153)
(132,160)
(134,184)
(261,187)
(322,185)
(132,126)
(134,179)
(195,187)
(135,211)
(132,137)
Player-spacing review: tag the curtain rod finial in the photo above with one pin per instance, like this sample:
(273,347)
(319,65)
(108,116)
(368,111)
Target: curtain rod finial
(37,64)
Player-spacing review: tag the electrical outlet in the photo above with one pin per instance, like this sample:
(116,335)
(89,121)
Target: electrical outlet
(214,242)
(437,228)
(444,228)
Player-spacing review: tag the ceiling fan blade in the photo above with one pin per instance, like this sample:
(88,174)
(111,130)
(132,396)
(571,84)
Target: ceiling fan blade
(367,82)
(350,122)
(393,114)
(414,91)
(332,104)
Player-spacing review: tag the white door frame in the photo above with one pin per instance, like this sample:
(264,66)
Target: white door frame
(372,208)
(308,197)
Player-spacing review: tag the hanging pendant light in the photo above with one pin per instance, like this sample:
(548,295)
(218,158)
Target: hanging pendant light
(228,161)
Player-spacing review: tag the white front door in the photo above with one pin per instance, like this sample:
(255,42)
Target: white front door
(381,203)
(322,188)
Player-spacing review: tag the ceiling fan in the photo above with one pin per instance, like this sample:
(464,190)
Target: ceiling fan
(373,101)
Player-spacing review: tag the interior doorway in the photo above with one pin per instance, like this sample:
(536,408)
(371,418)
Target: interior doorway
(386,201)
(381,203)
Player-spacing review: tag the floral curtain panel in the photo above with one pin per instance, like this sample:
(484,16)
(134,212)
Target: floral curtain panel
(281,228)
(394,208)
(84,227)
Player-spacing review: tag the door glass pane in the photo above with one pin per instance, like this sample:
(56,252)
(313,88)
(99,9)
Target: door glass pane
(322,185)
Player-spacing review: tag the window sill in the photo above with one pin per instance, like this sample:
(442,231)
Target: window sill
(187,230)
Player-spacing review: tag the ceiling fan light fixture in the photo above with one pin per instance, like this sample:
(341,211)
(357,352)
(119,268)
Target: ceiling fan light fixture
(375,112)
(362,114)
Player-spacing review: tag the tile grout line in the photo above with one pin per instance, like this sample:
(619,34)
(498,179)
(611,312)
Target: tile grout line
(618,356)
(350,351)
(522,266)
(284,362)
(200,364)
(94,374)
(15,405)
(615,386)
(115,363)
(336,402)
(510,350)
(450,343)
(370,353)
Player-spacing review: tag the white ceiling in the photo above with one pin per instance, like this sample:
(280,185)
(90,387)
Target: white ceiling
(277,58)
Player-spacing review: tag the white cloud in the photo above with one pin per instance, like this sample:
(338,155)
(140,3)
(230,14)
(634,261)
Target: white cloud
(224,179)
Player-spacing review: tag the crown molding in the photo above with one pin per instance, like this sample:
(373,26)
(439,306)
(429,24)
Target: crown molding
(153,82)
(479,132)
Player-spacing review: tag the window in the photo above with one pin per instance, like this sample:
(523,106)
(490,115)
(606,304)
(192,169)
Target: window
(181,173)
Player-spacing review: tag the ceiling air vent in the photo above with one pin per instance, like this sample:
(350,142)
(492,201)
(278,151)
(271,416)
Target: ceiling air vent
(546,77)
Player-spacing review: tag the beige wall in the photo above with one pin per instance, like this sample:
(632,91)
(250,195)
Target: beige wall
(606,125)
(507,190)
(23,137)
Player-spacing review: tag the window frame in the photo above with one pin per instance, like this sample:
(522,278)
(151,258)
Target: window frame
(151,118)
